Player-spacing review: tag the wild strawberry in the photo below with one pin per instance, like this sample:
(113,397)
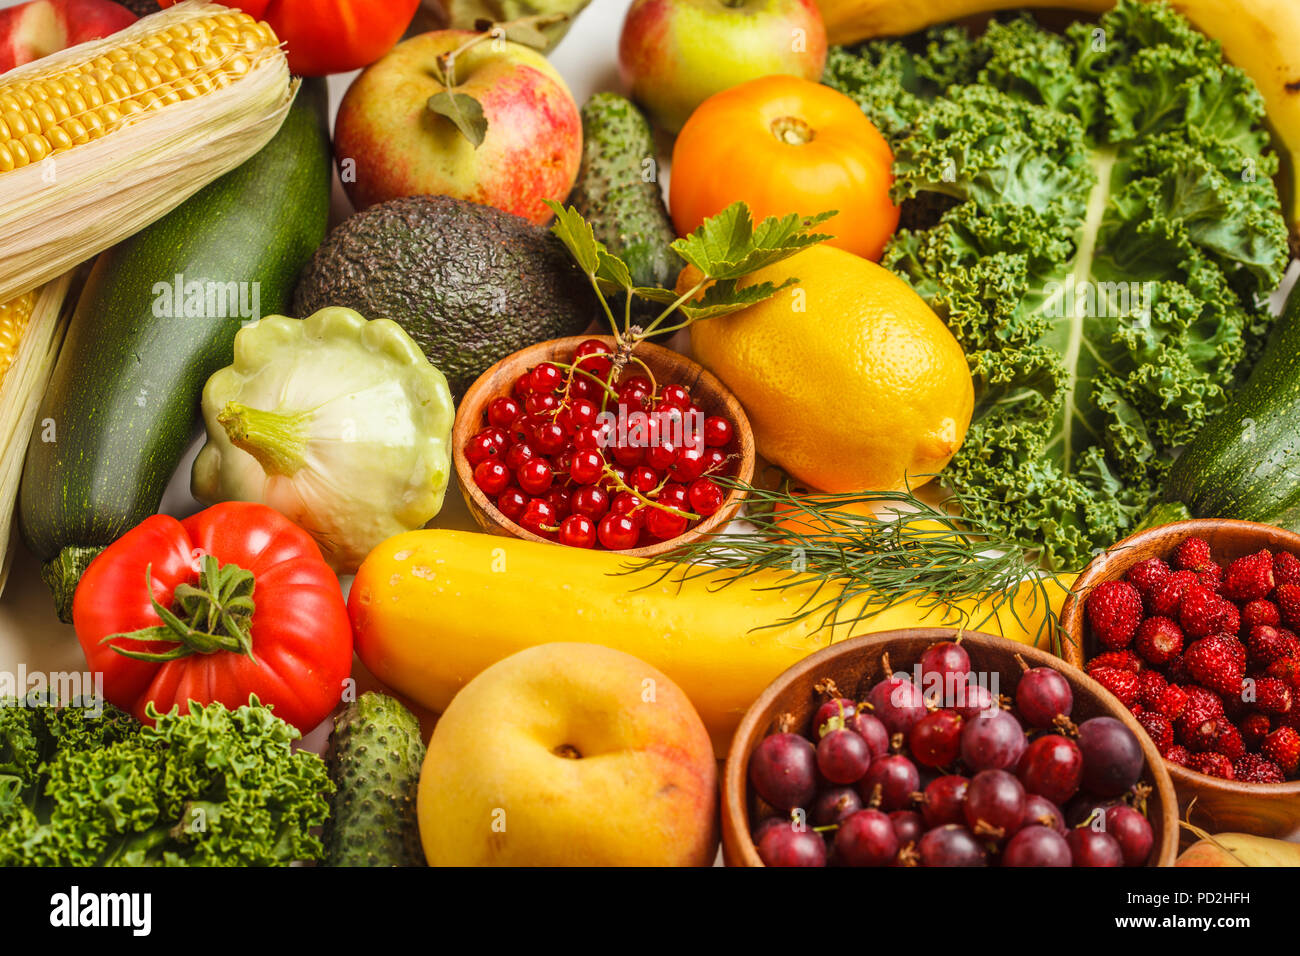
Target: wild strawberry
(1238,649)
(1288,603)
(1249,578)
(1159,729)
(1151,687)
(1215,665)
(1123,684)
(1177,672)
(1201,611)
(1172,702)
(1271,695)
(1234,706)
(1212,578)
(1212,764)
(1114,610)
(1120,660)
(1203,736)
(1290,719)
(1282,747)
(1229,741)
(1147,575)
(1286,568)
(1165,599)
(1254,728)
(1260,614)
(1193,555)
(1286,669)
(1266,644)
(1252,768)
(1229,620)
(1178,754)
(1158,640)
(1201,705)
(1137,710)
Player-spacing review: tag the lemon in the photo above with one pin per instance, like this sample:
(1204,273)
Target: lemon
(850,380)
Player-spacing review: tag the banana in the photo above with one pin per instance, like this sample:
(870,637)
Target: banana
(1262,37)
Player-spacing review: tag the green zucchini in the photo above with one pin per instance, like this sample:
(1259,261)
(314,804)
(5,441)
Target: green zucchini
(1245,463)
(123,401)
(618,191)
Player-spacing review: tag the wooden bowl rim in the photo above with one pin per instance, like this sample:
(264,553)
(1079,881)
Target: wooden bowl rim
(1072,622)
(472,403)
(735,773)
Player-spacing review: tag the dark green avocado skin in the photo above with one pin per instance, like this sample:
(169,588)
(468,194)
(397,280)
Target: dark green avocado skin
(469,283)
(124,396)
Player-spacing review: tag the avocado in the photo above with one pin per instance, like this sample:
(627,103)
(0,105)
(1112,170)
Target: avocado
(469,283)
(374,760)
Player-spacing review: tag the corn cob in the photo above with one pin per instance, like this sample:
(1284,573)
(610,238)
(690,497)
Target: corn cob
(101,139)
(31,332)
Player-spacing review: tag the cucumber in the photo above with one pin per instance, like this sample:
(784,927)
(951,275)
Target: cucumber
(1245,463)
(618,192)
(374,759)
(122,404)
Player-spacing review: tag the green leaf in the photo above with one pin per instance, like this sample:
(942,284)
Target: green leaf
(575,232)
(463,110)
(723,298)
(728,246)
(613,269)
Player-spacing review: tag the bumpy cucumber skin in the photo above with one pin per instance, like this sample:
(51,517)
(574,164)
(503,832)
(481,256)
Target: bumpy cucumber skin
(374,760)
(1245,462)
(626,211)
(124,396)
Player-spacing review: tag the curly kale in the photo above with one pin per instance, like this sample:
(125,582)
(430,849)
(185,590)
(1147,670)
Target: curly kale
(1094,215)
(213,787)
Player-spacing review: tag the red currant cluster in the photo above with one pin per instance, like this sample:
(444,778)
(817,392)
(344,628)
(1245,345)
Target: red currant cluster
(557,458)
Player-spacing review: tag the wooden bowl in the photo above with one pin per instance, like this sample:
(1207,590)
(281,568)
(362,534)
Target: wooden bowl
(855,665)
(669,367)
(1266,809)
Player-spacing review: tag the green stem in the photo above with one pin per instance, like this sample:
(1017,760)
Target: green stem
(277,441)
(215,616)
(684,297)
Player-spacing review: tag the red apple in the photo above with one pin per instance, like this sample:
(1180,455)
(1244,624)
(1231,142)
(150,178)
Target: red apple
(389,143)
(30,31)
(675,54)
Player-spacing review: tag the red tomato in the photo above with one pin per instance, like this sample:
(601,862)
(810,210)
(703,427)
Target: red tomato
(331,36)
(296,644)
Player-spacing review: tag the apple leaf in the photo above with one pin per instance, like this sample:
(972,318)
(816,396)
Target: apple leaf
(728,246)
(463,110)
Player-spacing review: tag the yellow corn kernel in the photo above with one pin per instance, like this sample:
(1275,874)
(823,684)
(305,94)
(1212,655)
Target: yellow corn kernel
(89,99)
(14,316)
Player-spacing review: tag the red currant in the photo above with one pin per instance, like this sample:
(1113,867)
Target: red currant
(516,455)
(689,464)
(643,478)
(535,476)
(502,411)
(625,503)
(661,456)
(582,412)
(594,356)
(619,478)
(674,396)
(539,402)
(591,501)
(706,497)
(673,495)
(522,428)
(618,532)
(558,499)
(498,437)
(715,460)
(538,516)
(549,438)
(578,531)
(562,462)
(629,456)
(492,476)
(583,387)
(664,524)
(523,385)
(480,448)
(635,396)
(588,436)
(545,378)
(512,503)
(587,467)
(717,431)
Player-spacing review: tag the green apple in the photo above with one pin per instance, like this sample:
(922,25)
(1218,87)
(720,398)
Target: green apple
(674,54)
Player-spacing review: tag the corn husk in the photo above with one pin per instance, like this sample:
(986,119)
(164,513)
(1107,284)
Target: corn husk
(73,204)
(20,396)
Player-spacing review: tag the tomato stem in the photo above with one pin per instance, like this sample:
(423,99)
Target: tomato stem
(792,131)
(214,616)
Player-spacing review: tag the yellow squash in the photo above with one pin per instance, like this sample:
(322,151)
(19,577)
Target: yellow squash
(431,609)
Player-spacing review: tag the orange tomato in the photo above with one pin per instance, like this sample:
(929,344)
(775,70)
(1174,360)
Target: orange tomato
(783,145)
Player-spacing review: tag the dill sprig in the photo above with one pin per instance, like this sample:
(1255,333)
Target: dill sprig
(862,564)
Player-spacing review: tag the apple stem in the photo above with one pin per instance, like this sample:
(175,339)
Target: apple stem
(488,30)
